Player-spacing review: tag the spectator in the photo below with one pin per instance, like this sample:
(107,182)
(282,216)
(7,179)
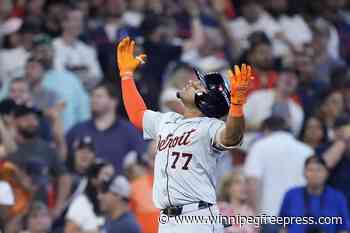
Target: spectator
(277,102)
(141,202)
(7,129)
(176,77)
(324,61)
(315,134)
(336,28)
(22,192)
(259,54)
(275,154)
(40,160)
(339,161)
(41,97)
(74,55)
(254,18)
(13,55)
(38,219)
(84,157)
(233,197)
(84,214)
(316,200)
(159,33)
(332,107)
(72,93)
(114,200)
(310,88)
(52,23)
(35,10)
(106,128)
(294,31)
(19,92)
(111,29)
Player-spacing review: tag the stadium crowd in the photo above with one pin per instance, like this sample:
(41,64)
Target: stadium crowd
(71,162)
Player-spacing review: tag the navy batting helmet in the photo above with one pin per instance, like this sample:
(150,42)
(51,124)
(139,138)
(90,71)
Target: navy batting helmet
(216,101)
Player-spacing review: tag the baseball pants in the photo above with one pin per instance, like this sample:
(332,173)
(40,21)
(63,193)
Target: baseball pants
(180,224)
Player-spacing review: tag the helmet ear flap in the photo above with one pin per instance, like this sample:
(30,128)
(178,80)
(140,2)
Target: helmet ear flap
(210,105)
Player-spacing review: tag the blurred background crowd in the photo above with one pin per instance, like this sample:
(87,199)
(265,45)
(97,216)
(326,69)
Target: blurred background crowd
(70,161)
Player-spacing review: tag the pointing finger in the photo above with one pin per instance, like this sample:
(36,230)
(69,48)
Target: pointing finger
(131,47)
(237,74)
(249,71)
(244,72)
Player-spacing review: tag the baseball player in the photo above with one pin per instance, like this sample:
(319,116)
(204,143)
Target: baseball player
(188,145)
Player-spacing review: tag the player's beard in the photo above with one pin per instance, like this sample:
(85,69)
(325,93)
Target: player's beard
(178,95)
(29,133)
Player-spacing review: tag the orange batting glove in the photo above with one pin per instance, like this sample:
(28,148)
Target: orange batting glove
(127,63)
(240,82)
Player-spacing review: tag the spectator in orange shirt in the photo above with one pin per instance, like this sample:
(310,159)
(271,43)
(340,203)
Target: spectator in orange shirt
(141,196)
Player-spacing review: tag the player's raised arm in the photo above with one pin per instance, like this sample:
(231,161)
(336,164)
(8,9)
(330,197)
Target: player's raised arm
(128,63)
(232,134)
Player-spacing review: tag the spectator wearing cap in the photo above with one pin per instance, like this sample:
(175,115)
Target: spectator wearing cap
(84,157)
(114,202)
(316,200)
(30,92)
(46,100)
(275,154)
(19,92)
(338,162)
(40,159)
(84,214)
(276,102)
(113,137)
(71,91)
(74,55)
(38,219)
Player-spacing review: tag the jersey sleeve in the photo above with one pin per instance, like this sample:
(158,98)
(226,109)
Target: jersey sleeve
(215,127)
(151,122)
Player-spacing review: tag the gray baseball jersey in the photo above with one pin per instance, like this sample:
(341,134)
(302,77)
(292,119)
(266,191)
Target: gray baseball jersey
(186,157)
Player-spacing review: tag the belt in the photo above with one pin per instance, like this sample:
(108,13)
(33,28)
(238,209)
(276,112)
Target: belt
(181,209)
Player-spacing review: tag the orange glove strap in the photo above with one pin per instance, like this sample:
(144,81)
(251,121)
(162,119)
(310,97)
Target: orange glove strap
(133,102)
(127,75)
(236,110)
